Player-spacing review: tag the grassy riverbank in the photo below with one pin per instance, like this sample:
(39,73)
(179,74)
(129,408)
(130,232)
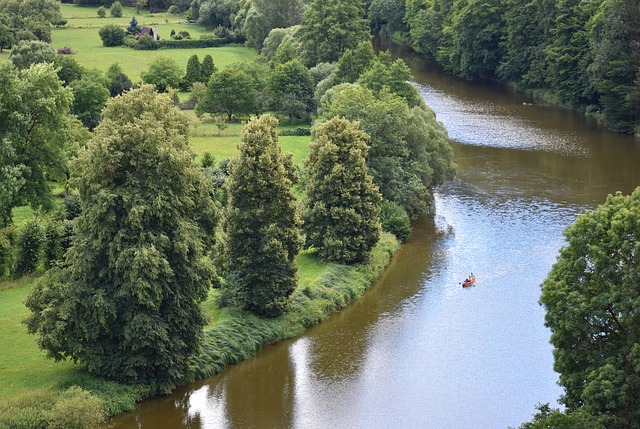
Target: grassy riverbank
(32,387)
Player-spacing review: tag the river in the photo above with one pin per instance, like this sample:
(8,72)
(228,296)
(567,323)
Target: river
(418,350)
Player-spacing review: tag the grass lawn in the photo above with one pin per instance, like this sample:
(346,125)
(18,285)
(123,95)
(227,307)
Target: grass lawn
(23,366)
(81,35)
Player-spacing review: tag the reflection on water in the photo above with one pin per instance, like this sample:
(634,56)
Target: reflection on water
(418,350)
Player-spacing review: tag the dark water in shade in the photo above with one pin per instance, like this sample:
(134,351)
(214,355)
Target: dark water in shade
(418,350)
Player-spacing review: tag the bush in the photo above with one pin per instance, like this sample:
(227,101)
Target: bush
(299,131)
(52,249)
(130,42)
(192,43)
(8,238)
(102,12)
(29,247)
(23,418)
(173,10)
(394,219)
(184,34)
(112,35)
(116,10)
(147,43)
(77,409)
(221,32)
(65,51)
(207,160)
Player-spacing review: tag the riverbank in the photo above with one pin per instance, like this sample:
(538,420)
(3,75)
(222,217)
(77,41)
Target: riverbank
(34,396)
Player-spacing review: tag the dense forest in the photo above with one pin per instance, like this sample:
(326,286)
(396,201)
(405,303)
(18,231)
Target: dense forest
(583,55)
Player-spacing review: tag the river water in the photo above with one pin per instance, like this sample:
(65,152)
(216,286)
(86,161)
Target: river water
(418,350)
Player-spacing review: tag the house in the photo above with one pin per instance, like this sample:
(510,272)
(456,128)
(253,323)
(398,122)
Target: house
(153,32)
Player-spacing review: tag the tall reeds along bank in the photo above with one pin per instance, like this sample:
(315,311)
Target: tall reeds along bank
(239,334)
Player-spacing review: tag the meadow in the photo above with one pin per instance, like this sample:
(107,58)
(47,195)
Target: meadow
(81,35)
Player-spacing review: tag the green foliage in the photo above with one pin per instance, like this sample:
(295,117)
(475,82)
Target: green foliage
(133,28)
(387,16)
(34,128)
(229,91)
(192,43)
(394,219)
(193,74)
(206,69)
(207,160)
(353,63)
(393,76)
(8,237)
(592,299)
(77,409)
(241,334)
(119,84)
(112,35)
(116,9)
(29,247)
(52,245)
(266,15)
(89,97)
(147,43)
(330,27)
(291,90)
(126,301)
(273,40)
(7,38)
(29,52)
(342,204)
(261,223)
(68,68)
(410,151)
(164,73)
(476,31)
(547,418)
(102,12)
(173,10)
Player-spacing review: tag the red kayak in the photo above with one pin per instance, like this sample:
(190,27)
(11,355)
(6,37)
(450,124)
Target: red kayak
(469,282)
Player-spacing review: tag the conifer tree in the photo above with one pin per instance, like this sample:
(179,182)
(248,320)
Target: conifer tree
(261,221)
(206,69)
(341,217)
(193,73)
(126,301)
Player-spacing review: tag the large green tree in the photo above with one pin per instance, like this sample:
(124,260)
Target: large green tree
(342,203)
(29,52)
(90,93)
(33,130)
(291,89)
(164,73)
(261,222)
(592,299)
(410,152)
(230,91)
(330,27)
(125,303)
(265,15)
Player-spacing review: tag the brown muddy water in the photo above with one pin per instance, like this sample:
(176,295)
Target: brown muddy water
(418,350)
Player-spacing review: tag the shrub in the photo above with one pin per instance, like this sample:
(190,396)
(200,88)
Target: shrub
(102,12)
(52,249)
(207,160)
(130,42)
(184,34)
(23,418)
(8,237)
(112,35)
(77,409)
(394,219)
(192,43)
(147,43)
(65,51)
(116,10)
(221,32)
(133,28)
(29,247)
(299,131)
(173,10)
(61,23)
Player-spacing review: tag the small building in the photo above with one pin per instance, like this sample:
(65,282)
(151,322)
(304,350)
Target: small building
(153,32)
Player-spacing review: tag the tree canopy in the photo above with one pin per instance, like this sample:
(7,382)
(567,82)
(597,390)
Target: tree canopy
(592,298)
(125,302)
(34,128)
(261,222)
(330,27)
(230,91)
(342,203)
